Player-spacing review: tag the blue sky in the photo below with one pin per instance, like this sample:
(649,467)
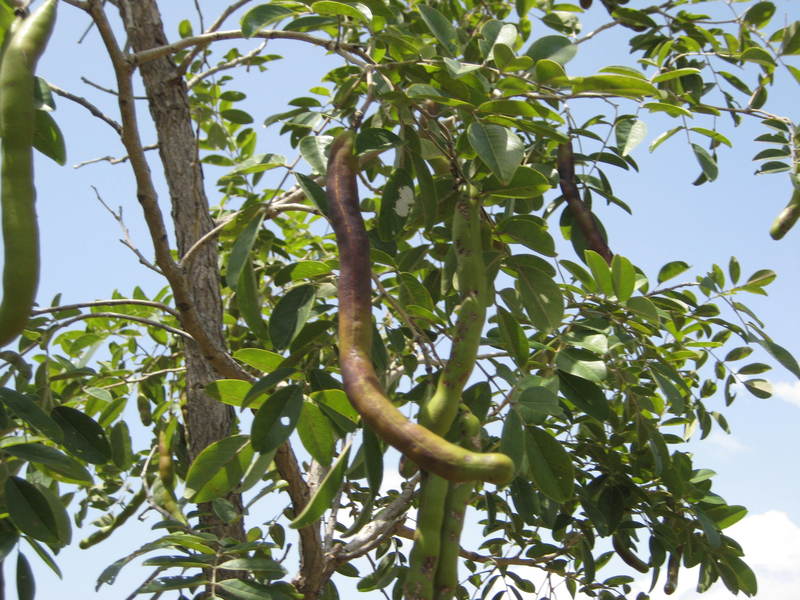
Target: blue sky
(756,466)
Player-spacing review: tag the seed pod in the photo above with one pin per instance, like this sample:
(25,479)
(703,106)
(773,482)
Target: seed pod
(428,450)
(18,196)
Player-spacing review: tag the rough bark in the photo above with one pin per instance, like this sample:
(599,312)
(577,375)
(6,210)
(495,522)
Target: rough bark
(207,420)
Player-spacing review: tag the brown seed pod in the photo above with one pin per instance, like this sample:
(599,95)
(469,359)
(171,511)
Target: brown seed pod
(430,451)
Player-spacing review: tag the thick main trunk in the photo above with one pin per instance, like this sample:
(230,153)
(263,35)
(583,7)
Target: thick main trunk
(207,420)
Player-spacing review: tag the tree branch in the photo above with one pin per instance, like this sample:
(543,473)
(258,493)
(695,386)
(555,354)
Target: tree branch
(347,51)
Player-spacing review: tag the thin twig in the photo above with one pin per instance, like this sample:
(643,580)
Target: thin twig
(144,377)
(111,302)
(126,241)
(234,62)
(87,105)
(348,51)
(112,315)
(382,526)
(112,160)
(184,66)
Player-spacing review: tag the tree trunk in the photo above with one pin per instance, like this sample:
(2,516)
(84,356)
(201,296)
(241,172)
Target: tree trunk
(207,420)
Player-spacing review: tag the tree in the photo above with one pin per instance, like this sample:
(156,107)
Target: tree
(547,385)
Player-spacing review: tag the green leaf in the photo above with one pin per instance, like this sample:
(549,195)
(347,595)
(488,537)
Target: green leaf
(672,269)
(64,467)
(316,433)
(312,148)
(26,584)
(582,363)
(644,307)
(513,336)
(623,277)
(26,408)
(264,567)
(263,360)
(322,498)
(229,391)
(707,162)
(498,147)
(121,447)
(63,526)
(269,429)
(242,589)
(235,115)
(529,231)
(782,355)
(441,28)
(339,9)
(553,47)
(290,314)
(674,74)
(760,388)
(725,516)
(541,298)
(584,394)
(526,183)
(550,465)
(760,14)
(83,437)
(259,17)
(313,192)
(619,85)
(254,397)
(373,139)
(512,438)
(373,460)
(459,69)
(791,43)
(600,271)
(249,303)
(30,510)
(48,139)
(630,133)
(240,252)
(397,202)
(218,469)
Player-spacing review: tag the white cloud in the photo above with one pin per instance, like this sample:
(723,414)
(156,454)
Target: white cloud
(771,542)
(726,442)
(787,391)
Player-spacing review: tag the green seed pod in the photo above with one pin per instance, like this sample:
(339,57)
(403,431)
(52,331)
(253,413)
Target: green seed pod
(18,195)
(438,412)
(424,558)
(455,506)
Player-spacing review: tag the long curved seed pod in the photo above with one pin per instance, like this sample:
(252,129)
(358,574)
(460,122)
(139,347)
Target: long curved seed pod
(458,496)
(430,451)
(581,215)
(423,562)
(627,555)
(788,217)
(18,196)
(438,413)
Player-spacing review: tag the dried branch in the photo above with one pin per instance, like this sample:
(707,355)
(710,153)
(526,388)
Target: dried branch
(112,160)
(126,240)
(87,105)
(382,526)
